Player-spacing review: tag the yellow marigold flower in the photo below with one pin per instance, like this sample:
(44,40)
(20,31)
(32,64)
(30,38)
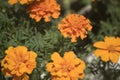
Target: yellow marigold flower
(109,49)
(67,68)
(44,9)
(74,25)
(18,61)
(21,1)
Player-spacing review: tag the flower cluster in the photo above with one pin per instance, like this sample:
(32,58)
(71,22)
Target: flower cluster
(109,49)
(44,9)
(20,1)
(75,25)
(67,68)
(18,62)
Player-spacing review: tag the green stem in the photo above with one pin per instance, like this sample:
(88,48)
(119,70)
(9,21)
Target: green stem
(67,6)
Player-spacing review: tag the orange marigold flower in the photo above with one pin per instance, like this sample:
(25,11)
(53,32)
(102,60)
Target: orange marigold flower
(67,68)
(21,1)
(44,9)
(74,25)
(109,49)
(17,62)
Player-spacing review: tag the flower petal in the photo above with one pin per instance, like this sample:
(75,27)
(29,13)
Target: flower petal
(56,57)
(100,45)
(18,61)
(68,68)
(74,26)
(49,66)
(25,77)
(112,41)
(38,9)
(114,57)
(68,56)
(105,57)
(12,2)
(103,54)
(117,49)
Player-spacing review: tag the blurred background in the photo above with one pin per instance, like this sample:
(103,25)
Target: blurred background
(16,28)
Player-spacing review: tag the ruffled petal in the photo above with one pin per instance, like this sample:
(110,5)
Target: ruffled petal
(56,57)
(69,56)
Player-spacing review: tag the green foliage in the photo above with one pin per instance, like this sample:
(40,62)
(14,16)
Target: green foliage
(106,19)
(85,2)
(16,28)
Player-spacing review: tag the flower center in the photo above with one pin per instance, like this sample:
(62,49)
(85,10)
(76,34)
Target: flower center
(111,48)
(66,67)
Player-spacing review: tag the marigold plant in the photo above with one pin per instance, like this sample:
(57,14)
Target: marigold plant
(109,49)
(44,9)
(67,68)
(74,25)
(18,62)
(20,1)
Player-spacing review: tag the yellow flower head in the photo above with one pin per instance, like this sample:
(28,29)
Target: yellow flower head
(44,9)
(18,61)
(109,49)
(20,1)
(74,25)
(67,68)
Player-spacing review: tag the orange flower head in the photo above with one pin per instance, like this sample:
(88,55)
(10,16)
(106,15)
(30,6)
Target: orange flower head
(18,61)
(74,25)
(109,49)
(20,1)
(67,68)
(44,9)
